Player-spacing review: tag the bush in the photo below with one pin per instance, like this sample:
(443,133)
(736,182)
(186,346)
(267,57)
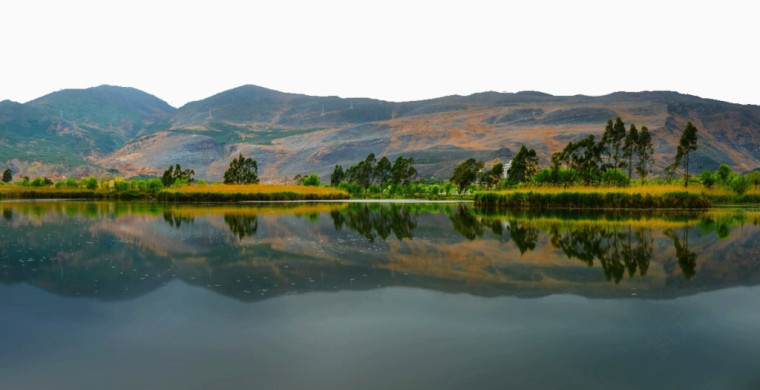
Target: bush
(311,180)
(613,177)
(739,184)
(707,178)
(155,185)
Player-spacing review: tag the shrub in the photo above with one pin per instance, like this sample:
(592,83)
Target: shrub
(707,178)
(739,184)
(614,177)
(311,180)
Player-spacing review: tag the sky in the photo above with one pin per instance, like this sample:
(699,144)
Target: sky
(183,51)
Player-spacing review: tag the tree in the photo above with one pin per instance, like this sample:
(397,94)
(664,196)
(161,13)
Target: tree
(612,143)
(724,174)
(242,171)
(524,165)
(466,173)
(645,150)
(686,145)
(337,176)
(630,147)
(492,176)
(7,175)
(172,174)
(363,172)
(403,171)
(583,156)
(383,171)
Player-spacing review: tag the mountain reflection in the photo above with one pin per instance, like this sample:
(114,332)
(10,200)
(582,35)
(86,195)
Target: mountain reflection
(121,250)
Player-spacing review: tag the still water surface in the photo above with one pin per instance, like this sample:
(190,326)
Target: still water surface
(345,296)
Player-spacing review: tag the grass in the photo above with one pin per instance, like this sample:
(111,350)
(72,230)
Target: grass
(643,197)
(250,192)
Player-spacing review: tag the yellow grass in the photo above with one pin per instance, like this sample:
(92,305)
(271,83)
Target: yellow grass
(254,189)
(660,189)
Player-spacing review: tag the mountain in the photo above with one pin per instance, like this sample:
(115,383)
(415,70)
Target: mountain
(129,132)
(64,132)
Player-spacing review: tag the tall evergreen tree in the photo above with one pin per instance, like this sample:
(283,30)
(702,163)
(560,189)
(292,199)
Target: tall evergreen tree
(611,144)
(645,150)
(630,148)
(524,165)
(686,145)
(383,170)
(403,171)
(7,175)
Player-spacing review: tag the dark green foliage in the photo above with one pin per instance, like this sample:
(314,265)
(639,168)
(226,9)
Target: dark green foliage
(466,173)
(492,176)
(363,172)
(91,183)
(686,145)
(337,176)
(311,180)
(403,171)
(174,174)
(644,150)
(242,171)
(611,144)
(630,148)
(383,170)
(583,156)
(7,175)
(524,166)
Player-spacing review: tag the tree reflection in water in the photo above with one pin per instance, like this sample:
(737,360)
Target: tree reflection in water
(176,220)
(372,221)
(242,225)
(687,260)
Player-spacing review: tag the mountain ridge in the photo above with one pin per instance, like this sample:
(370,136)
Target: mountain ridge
(124,131)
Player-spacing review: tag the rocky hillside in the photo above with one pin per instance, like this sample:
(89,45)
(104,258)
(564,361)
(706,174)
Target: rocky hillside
(128,132)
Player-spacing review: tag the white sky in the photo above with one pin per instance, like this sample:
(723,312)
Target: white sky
(182,51)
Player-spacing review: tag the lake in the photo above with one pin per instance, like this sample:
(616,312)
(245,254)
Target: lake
(375,296)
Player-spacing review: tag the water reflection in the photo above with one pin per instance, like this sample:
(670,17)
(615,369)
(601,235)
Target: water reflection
(120,250)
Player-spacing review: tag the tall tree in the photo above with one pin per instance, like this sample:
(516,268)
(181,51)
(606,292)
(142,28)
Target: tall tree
(242,170)
(630,148)
(337,176)
(403,171)
(644,150)
(466,173)
(584,156)
(686,145)
(612,143)
(493,175)
(383,171)
(524,165)
(7,175)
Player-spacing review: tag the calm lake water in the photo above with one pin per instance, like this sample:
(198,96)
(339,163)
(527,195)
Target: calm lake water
(375,296)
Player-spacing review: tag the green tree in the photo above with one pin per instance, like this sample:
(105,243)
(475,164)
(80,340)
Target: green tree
(7,175)
(492,176)
(383,171)
(337,176)
(242,170)
(403,171)
(739,184)
(686,145)
(466,173)
(612,143)
(583,156)
(724,174)
(524,166)
(630,148)
(645,151)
